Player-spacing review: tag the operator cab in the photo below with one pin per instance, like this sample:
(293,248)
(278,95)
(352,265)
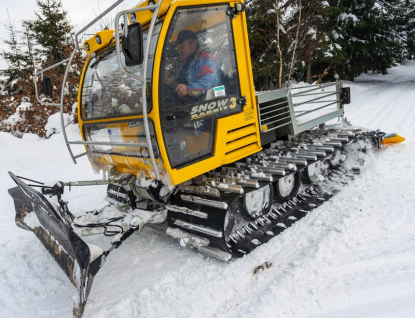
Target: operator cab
(186,95)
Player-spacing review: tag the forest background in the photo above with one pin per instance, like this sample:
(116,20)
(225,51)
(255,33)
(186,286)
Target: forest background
(290,41)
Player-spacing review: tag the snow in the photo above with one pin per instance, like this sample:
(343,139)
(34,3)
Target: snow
(53,126)
(347,16)
(354,256)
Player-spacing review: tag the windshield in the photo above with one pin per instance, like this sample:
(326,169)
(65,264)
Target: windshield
(107,92)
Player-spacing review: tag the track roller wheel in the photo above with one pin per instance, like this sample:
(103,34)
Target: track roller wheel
(258,202)
(286,188)
(311,173)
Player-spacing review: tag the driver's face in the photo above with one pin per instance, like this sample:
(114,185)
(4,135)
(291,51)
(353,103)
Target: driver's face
(186,48)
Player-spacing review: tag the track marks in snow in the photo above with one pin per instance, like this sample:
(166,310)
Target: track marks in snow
(393,102)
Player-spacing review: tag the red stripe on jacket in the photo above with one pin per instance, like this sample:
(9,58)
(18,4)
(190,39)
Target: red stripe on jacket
(205,70)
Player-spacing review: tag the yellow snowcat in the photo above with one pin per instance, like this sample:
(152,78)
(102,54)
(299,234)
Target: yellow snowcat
(168,110)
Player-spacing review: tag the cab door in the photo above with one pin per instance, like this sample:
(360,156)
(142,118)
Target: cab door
(210,76)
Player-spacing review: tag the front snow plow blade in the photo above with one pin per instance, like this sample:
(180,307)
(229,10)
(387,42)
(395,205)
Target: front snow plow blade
(35,213)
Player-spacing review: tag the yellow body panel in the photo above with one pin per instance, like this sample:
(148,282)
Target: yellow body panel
(106,37)
(144,17)
(237,136)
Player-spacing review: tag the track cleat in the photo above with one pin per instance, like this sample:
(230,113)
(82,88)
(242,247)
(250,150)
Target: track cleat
(232,239)
(300,198)
(261,222)
(270,233)
(305,194)
(282,208)
(240,234)
(267,220)
(247,229)
(253,225)
(316,187)
(276,211)
(296,200)
(311,191)
(256,242)
(287,205)
(273,216)
(293,204)
(303,211)
(281,225)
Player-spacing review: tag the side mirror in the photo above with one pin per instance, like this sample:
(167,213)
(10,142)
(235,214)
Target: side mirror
(46,87)
(345,96)
(132,45)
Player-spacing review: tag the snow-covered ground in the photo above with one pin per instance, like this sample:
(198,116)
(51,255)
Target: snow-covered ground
(352,257)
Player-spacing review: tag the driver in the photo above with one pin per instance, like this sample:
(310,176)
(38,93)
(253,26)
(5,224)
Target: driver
(199,71)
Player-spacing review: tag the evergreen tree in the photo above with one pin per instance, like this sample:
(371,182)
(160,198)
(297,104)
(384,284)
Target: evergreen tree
(29,58)
(262,31)
(51,30)
(47,40)
(316,52)
(368,33)
(14,57)
(407,19)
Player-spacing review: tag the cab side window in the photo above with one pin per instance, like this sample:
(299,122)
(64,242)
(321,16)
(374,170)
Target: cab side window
(198,82)
(199,62)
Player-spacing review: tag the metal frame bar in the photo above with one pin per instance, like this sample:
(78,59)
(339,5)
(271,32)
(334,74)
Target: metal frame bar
(315,109)
(107,143)
(35,77)
(273,111)
(94,21)
(316,87)
(143,79)
(314,99)
(298,128)
(61,105)
(279,115)
(276,104)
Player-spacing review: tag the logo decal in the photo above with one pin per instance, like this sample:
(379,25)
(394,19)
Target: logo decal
(211,108)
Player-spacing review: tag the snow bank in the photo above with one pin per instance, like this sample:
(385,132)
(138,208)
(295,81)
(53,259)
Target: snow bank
(54,125)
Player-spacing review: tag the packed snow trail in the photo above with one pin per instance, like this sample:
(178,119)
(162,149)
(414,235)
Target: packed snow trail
(352,257)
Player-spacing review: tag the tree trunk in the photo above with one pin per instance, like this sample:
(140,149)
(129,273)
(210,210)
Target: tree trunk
(308,75)
(279,45)
(295,46)
(343,71)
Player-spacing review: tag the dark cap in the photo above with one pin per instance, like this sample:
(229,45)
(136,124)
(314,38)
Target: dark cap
(185,35)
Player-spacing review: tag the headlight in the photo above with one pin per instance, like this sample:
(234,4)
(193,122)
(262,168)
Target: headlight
(98,39)
(87,46)
(133,18)
(240,7)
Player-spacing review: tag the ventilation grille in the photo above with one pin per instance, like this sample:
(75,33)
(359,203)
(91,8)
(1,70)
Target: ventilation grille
(240,141)
(274,114)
